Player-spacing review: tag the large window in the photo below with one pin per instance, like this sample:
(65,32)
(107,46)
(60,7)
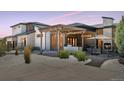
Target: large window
(72,41)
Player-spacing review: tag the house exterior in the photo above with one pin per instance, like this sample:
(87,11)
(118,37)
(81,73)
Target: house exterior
(79,36)
(24,34)
(106,29)
(76,36)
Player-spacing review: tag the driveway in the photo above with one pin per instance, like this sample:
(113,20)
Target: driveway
(44,68)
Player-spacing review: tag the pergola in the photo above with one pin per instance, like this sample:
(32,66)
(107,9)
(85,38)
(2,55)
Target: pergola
(63,29)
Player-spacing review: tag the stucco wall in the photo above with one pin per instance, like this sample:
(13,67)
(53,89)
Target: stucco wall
(43,41)
(37,39)
(9,39)
(20,40)
(47,41)
(18,29)
(31,39)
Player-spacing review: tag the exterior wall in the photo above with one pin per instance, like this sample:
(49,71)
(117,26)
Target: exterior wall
(99,31)
(18,29)
(107,21)
(43,41)
(108,33)
(47,43)
(20,41)
(37,38)
(31,39)
(9,42)
(9,39)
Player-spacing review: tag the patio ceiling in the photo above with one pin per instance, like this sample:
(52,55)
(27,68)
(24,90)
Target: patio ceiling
(62,28)
(101,37)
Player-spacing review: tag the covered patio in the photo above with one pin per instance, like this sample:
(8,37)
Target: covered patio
(64,37)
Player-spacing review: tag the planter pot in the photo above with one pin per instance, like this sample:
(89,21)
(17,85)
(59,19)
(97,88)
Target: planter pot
(27,61)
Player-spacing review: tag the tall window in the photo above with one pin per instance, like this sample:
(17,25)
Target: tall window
(72,41)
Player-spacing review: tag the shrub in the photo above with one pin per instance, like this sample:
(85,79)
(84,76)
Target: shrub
(63,54)
(16,51)
(2,47)
(27,55)
(81,56)
(119,37)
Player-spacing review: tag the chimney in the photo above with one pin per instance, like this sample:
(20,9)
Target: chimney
(107,21)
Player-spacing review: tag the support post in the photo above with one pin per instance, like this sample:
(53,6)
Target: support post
(41,40)
(57,40)
(82,41)
(63,39)
(45,40)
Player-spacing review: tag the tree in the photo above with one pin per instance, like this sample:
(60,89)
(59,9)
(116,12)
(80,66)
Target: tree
(119,37)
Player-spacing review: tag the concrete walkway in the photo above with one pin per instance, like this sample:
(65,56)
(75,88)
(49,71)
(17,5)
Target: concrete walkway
(51,68)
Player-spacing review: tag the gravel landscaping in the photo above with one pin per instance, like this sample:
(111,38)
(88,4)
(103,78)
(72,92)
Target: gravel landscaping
(44,68)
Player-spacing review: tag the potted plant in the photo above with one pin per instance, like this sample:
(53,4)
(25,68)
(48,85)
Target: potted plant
(16,51)
(27,55)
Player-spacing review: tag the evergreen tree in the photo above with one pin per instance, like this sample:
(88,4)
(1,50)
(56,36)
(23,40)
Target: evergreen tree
(119,37)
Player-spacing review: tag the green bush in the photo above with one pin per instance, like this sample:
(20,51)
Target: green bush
(63,54)
(2,47)
(81,56)
(119,37)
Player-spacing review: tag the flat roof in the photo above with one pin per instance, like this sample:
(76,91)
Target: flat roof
(25,23)
(108,17)
(81,25)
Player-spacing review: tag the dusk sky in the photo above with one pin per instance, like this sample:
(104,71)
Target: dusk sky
(51,17)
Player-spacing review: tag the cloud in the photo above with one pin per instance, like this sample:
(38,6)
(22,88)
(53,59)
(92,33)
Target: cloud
(61,18)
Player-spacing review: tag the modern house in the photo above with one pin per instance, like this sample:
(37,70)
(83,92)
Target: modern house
(25,34)
(79,36)
(76,36)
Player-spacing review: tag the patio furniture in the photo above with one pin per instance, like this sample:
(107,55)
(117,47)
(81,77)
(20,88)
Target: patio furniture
(96,51)
(72,48)
(89,50)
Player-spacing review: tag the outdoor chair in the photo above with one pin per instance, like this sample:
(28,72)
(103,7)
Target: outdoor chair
(96,51)
(89,50)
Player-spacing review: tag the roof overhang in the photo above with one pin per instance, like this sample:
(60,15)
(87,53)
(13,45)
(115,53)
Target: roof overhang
(62,28)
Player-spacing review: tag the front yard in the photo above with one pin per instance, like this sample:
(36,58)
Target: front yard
(13,68)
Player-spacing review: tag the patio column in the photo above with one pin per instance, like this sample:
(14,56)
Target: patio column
(82,36)
(41,40)
(57,40)
(63,39)
(45,40)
